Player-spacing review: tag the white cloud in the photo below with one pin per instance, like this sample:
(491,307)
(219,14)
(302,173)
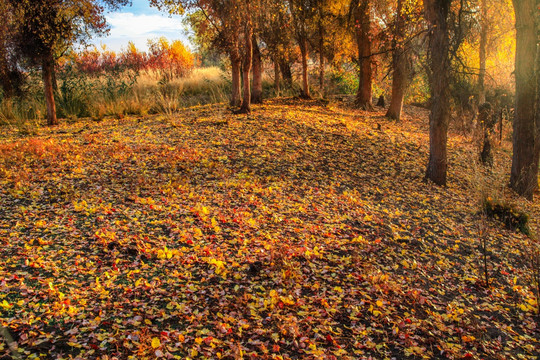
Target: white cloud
(126,26)
(129,24)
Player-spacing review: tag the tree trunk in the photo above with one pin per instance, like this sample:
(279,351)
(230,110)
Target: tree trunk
(536,161)
(401,67)
(305,80)
(363,42)
(285,68)
(276,77)
(400,82)
(245,108)
(236,65)
(524,173)
(482,55)
(5,70)
(437,15)
(47,73)
(257,94)
(321,53)
(54,81)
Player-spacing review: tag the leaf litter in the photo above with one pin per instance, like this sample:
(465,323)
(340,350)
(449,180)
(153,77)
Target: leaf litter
(299,231)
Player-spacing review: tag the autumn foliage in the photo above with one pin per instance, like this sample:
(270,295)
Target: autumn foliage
(169,60)
(300,232)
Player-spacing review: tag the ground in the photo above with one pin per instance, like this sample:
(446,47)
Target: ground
(304,230)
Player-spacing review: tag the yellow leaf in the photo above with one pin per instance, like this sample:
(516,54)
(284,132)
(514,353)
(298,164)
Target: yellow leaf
(156,343)
(72,310)
(5,305)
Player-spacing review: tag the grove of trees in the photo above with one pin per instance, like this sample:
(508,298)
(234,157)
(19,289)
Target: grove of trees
(460,51)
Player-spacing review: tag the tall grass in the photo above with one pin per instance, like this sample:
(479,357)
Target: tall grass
(139,93)
(22,115)
(115,94)
(202,86)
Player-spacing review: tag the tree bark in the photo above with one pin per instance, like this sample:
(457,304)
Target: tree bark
(257,94)
(54,81)
(47,73)
(5,70)
(524,172)
(305,80)
(437,15)
(276,77)
(321,52)
(400,82)
(536,161)
(401,67)
(285,68)
(482,54)
(245,108)
(236,65)
(363,42)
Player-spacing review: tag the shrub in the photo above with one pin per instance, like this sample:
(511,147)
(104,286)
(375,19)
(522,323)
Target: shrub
(512,218)
(171,60)
(343,81)
(72,97)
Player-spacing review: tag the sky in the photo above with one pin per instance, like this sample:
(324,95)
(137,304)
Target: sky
(138,23)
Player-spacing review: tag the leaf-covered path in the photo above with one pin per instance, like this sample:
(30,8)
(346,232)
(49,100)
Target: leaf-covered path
(299,231)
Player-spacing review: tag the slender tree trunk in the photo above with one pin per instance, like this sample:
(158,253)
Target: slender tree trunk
(363,41)
(5,68)
(482,54)
(400,81)
(47,73)
(5,79)
(305,80)
(321,53)
(524,172)
(257,94)
(401,67)
(7,86)
(245,108)
(276,77)
(437,15)
(536,161)
(236,65)
(54,81)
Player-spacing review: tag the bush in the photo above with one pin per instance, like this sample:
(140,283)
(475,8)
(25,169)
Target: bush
(343,81)
(512,218)
(72,97)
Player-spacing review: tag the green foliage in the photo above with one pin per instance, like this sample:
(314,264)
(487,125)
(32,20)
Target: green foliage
(24,112)
(72,97)
(342,80)
(418,91)
(118,85)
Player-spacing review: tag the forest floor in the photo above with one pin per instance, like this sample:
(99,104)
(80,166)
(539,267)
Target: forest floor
(301,231)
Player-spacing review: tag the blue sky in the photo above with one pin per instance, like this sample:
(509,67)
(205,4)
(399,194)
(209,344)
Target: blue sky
(139,23)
